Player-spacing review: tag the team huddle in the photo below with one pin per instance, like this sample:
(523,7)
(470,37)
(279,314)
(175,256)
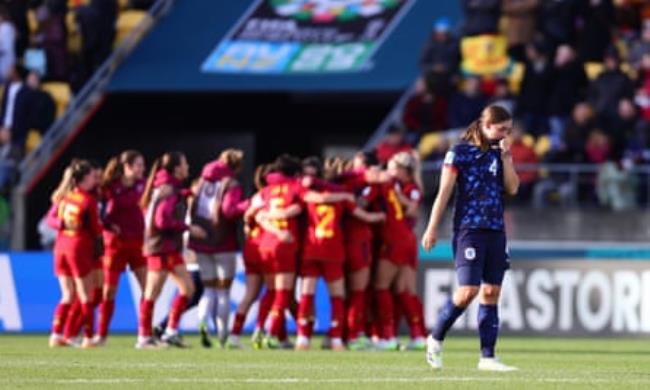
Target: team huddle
(348,222)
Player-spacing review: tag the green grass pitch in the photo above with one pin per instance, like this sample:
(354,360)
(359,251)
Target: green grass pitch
(26,362)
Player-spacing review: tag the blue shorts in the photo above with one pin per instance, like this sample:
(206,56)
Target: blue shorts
(480,256)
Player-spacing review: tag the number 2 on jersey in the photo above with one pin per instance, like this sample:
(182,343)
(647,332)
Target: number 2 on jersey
(325,213)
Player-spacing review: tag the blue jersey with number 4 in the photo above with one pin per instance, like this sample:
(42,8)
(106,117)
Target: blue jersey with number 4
(479,187)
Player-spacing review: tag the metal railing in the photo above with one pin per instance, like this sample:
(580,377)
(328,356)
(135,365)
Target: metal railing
(573,174)
(63,131)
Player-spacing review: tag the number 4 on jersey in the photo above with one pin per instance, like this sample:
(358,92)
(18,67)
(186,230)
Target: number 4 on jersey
(493,167)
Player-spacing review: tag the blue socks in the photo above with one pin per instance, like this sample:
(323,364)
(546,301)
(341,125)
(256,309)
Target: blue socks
(488,328)
(446,318)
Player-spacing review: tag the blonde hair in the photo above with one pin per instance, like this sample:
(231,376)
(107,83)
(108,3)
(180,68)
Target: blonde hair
(411,162)
(233,158)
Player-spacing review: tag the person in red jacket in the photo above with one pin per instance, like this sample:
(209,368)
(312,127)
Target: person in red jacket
(164,200)
(79,228)
(122,188)
(217,207)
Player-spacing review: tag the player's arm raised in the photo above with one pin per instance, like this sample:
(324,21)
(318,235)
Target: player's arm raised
(510,178)
(447,182)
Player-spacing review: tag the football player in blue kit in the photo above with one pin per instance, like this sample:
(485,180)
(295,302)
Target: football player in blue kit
(481,168)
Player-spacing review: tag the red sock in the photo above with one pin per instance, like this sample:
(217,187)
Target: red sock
(417,305)
(97,297)
(178,307)
(356,314)
(88,318)
(146,316)
(60,316)
(385,314)
(306,315)
(280,304)
(336,326)
(264,308)
(398,313)
(413,318)
(106,310)
(71,328)
(238,324)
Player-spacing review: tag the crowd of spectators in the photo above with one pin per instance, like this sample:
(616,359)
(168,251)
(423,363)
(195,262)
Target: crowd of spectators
(577,83)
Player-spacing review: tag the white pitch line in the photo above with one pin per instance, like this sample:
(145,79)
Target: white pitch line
(482,379)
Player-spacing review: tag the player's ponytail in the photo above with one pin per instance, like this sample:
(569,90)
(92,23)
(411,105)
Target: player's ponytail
(115,167)
(65,186)
(490,115)
(148,188)
(260,176)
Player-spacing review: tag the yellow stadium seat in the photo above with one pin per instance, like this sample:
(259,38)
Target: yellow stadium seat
(428,143)
(34,139)
(74,35)
(528,140)
(516,76)
(126,22)
(32,22)
(593,69)
(543,145)
(61,94)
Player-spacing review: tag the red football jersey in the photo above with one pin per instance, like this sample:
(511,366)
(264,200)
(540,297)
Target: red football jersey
(324,239)
(281,196)
(356,230)
(78,214)
(414,194)
(396,221)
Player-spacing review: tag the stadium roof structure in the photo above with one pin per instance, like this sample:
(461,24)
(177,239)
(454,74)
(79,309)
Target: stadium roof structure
(283,46)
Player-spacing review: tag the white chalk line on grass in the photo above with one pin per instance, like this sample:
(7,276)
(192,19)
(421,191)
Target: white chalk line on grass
(288,381)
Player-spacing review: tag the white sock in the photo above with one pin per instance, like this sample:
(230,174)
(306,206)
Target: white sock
(206,305)
(302,340)
(169,332)
(223,312)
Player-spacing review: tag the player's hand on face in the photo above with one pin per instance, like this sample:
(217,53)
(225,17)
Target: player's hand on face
(197,232)
(429,239)
(505,145)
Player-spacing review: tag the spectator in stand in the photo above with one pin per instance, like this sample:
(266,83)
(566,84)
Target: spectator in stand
(53,36)
(640,48)
(44,107)
(7,44)
(481,16)
(16,113)
(521,18)
(424,112)
(598,148)
(393,143)
(467,104)
(642,97)
(596,33)
(503,97)
(609,88)
(627,130)
(575,134)
(568,87)
(523,154)
(9,157)
(18,14)
(557,21)
(97,24)
(532,104)
(441,53)
(628,18)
